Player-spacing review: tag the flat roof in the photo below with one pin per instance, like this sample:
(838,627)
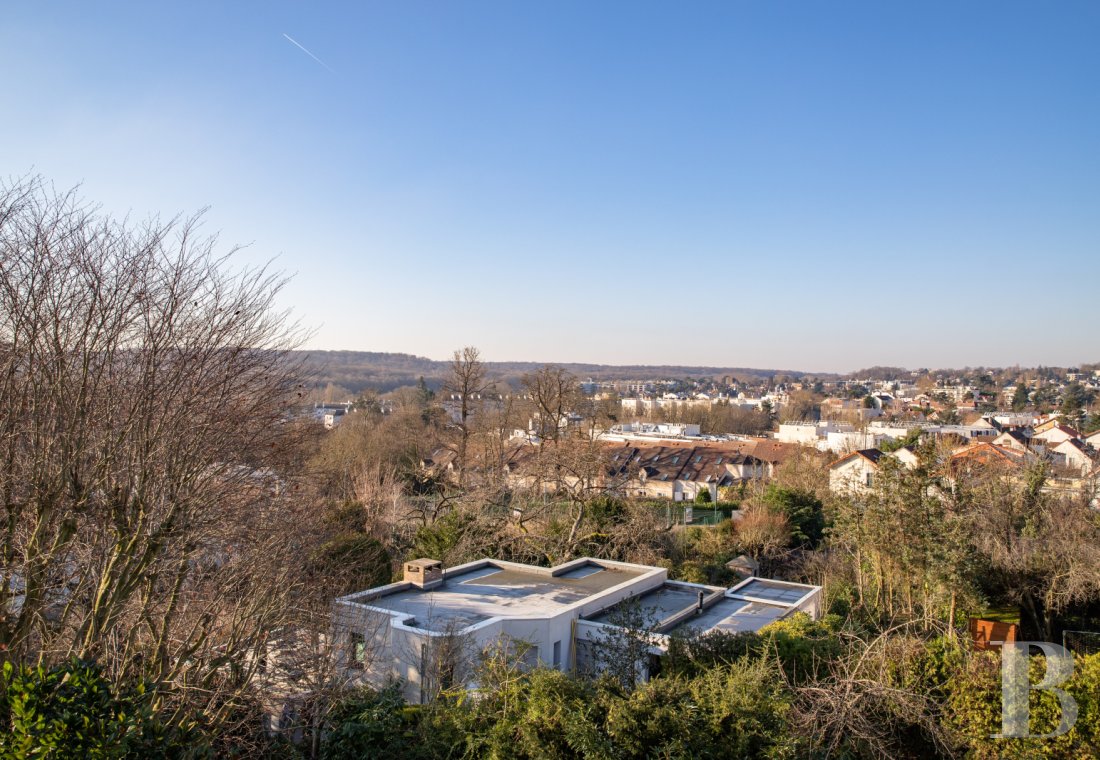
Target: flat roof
(656,604)
(773,591)
(749,606)
(473,596)
(735,616)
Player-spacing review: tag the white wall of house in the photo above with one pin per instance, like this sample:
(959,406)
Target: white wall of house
(969,432)
(851,441)
(1054,436)
(906,457)
(1073,457)
(1008,442)
(395,648)
(854,476)
(802,433)
(894,429)
(1014,419)
(747,470)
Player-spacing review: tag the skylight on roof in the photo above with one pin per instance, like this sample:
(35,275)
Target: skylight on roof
(582,572)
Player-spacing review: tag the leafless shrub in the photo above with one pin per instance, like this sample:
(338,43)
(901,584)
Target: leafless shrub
(855,707)
(145,438)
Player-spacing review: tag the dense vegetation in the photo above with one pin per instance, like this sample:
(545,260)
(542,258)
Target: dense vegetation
(791,692)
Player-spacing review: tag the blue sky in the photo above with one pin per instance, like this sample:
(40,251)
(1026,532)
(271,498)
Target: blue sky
(818,186)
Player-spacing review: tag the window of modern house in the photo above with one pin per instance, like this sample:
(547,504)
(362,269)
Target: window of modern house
(358,650)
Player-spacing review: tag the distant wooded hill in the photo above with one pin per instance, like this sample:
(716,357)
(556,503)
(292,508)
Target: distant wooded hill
(359,370)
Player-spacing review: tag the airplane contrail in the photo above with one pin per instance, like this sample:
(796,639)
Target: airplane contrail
(303,49)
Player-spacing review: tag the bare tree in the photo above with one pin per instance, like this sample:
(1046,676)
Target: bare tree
(1043,547)
(144,448)
(554,393)
(499,425)
(856,705)
(466,382)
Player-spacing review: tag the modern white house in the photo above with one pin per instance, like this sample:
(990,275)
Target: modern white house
(852,440)
(830,435)
(803,433)
(427,630)
(675,606)
(628,431)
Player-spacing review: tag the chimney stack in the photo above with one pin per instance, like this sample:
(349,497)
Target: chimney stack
(424,573)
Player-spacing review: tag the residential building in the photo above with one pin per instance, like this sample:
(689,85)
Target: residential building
(803,433)
(855,472)
(679,473)
(428,629)
(815,434)
(1018,440)
(675,470)
(976,432)
(650,430)
(1054,433)
(1076,455)
(851,440)
(986,457)
(331,414)
(1013,419)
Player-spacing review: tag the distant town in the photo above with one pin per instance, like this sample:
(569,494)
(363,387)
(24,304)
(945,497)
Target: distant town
(697,434)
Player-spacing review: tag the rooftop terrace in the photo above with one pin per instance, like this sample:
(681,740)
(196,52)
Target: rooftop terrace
(470,596)
(749,606)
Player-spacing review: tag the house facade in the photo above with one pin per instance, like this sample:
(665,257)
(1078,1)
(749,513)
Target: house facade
(1076,455)
(855,473)
(1055,434)
(428,630)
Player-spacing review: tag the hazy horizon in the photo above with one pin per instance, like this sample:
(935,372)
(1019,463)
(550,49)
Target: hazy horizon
(757,185)
(761,368)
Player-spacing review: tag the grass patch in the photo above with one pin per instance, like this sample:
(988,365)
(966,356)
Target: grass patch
(1001,614)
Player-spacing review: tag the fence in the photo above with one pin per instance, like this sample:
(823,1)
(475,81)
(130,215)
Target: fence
(1081,643)
(685,513)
